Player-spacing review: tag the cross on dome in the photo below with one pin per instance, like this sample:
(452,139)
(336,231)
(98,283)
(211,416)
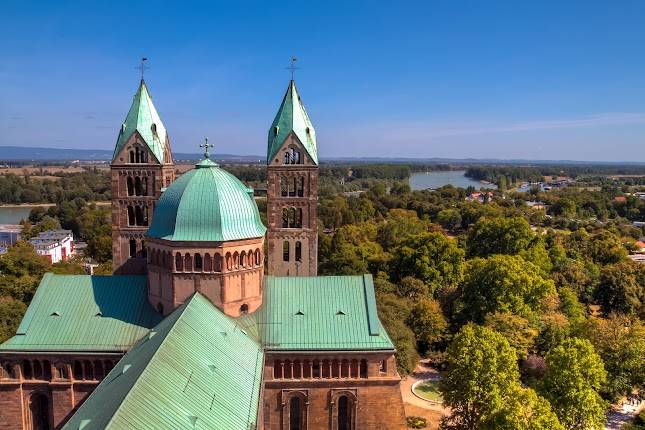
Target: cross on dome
(206,145)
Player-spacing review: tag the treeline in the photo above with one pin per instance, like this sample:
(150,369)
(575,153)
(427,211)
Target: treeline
(511,174)
(90,186)
(541,304)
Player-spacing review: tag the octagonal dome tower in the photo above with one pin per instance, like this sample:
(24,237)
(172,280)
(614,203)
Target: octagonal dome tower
(206,236)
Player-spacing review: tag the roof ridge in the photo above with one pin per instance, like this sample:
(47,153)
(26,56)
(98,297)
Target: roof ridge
(185,306)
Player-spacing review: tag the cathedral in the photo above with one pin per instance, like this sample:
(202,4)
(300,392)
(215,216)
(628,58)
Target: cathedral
(192,331)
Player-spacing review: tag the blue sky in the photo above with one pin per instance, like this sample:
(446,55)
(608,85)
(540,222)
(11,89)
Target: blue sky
(502,79)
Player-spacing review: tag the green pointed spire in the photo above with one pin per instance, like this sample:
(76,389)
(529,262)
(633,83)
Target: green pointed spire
(292,117)
(143,117)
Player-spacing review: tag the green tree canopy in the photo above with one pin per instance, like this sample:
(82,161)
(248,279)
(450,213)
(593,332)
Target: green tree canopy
(482,372)
(523,409)
(515,329)
(573,377)
(431,257)
(622,288)
(499,236)
(428,322)
(502,283)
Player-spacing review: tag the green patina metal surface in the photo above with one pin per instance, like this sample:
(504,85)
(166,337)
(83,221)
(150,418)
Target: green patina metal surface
(318,313)
(143,117)
(85,313)
(196,370)
(206,204)
(292,117)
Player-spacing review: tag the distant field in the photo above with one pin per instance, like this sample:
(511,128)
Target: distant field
(45,172)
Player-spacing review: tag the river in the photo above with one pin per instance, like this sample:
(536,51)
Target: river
(436,179)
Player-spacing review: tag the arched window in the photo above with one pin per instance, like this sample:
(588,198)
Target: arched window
(78,371)
(301,187)
(344,413)
(188,263)
(98,370)
(257,257)
(145,215)
(292,217)
(243,259)
(244,309)
(133,248)
(363,369)
(144,183)
(179,263)
(130,185)
(131,156)
(277,369)
(236,260)
(229,263)
(144,250)
(89,370)
(138,215)
(131,220)
(287,158)
(295,413)
(137,186)
(298,218)
(39,409)
(208,263)
(27,372)
(218,263)
(298,251)
(285,250)
(284,186)
(285,218)
(198,263)
(292,187)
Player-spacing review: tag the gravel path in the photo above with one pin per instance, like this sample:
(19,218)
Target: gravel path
(617,418)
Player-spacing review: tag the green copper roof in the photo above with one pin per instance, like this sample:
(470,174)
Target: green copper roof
(195,370)
(318,313)
(143,117)
(292,117)
(88,313)
(206,204)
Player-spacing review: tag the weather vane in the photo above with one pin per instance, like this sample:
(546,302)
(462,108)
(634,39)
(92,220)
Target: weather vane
(142,66)
(292,66)
(206,145)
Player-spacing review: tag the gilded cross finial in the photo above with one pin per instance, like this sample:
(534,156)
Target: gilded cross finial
(142,67)
(206,145)
(292,66)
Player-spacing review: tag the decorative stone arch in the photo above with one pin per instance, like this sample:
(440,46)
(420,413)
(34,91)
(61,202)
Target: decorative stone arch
(258,260)
(179,263)
(217,263)
(291,398)
(243,259)
(188,262)
(40,411)
(61,370)
(236,260)
(343,406)
(208,263)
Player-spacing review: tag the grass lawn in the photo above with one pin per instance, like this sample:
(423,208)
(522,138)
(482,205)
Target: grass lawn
(429,390)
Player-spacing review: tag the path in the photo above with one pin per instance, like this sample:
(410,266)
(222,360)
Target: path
(617,418)
(415,406)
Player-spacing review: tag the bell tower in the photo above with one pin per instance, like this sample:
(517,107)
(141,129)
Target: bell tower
(141,168)
(292,193)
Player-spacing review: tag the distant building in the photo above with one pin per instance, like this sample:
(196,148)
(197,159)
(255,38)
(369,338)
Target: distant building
(480,197)
(640,246)
(57,245)
(620,199)
(638,258)
(10,234)
(536,205)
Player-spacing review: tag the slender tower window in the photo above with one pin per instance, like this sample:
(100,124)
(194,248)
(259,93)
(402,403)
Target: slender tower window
(285,251)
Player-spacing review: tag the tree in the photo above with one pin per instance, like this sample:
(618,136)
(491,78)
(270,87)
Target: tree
(11,312)
(499,236)
(412,288)
(523,409)
(430,257)
(482,372)
(620,342)
(502,283)
(573,377)
(427,321)
(399,225)
(393,311)
(515,329)
(622,288)
(449,219)
(21,269)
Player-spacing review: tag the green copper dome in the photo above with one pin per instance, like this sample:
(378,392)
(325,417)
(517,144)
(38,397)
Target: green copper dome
(206,204)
